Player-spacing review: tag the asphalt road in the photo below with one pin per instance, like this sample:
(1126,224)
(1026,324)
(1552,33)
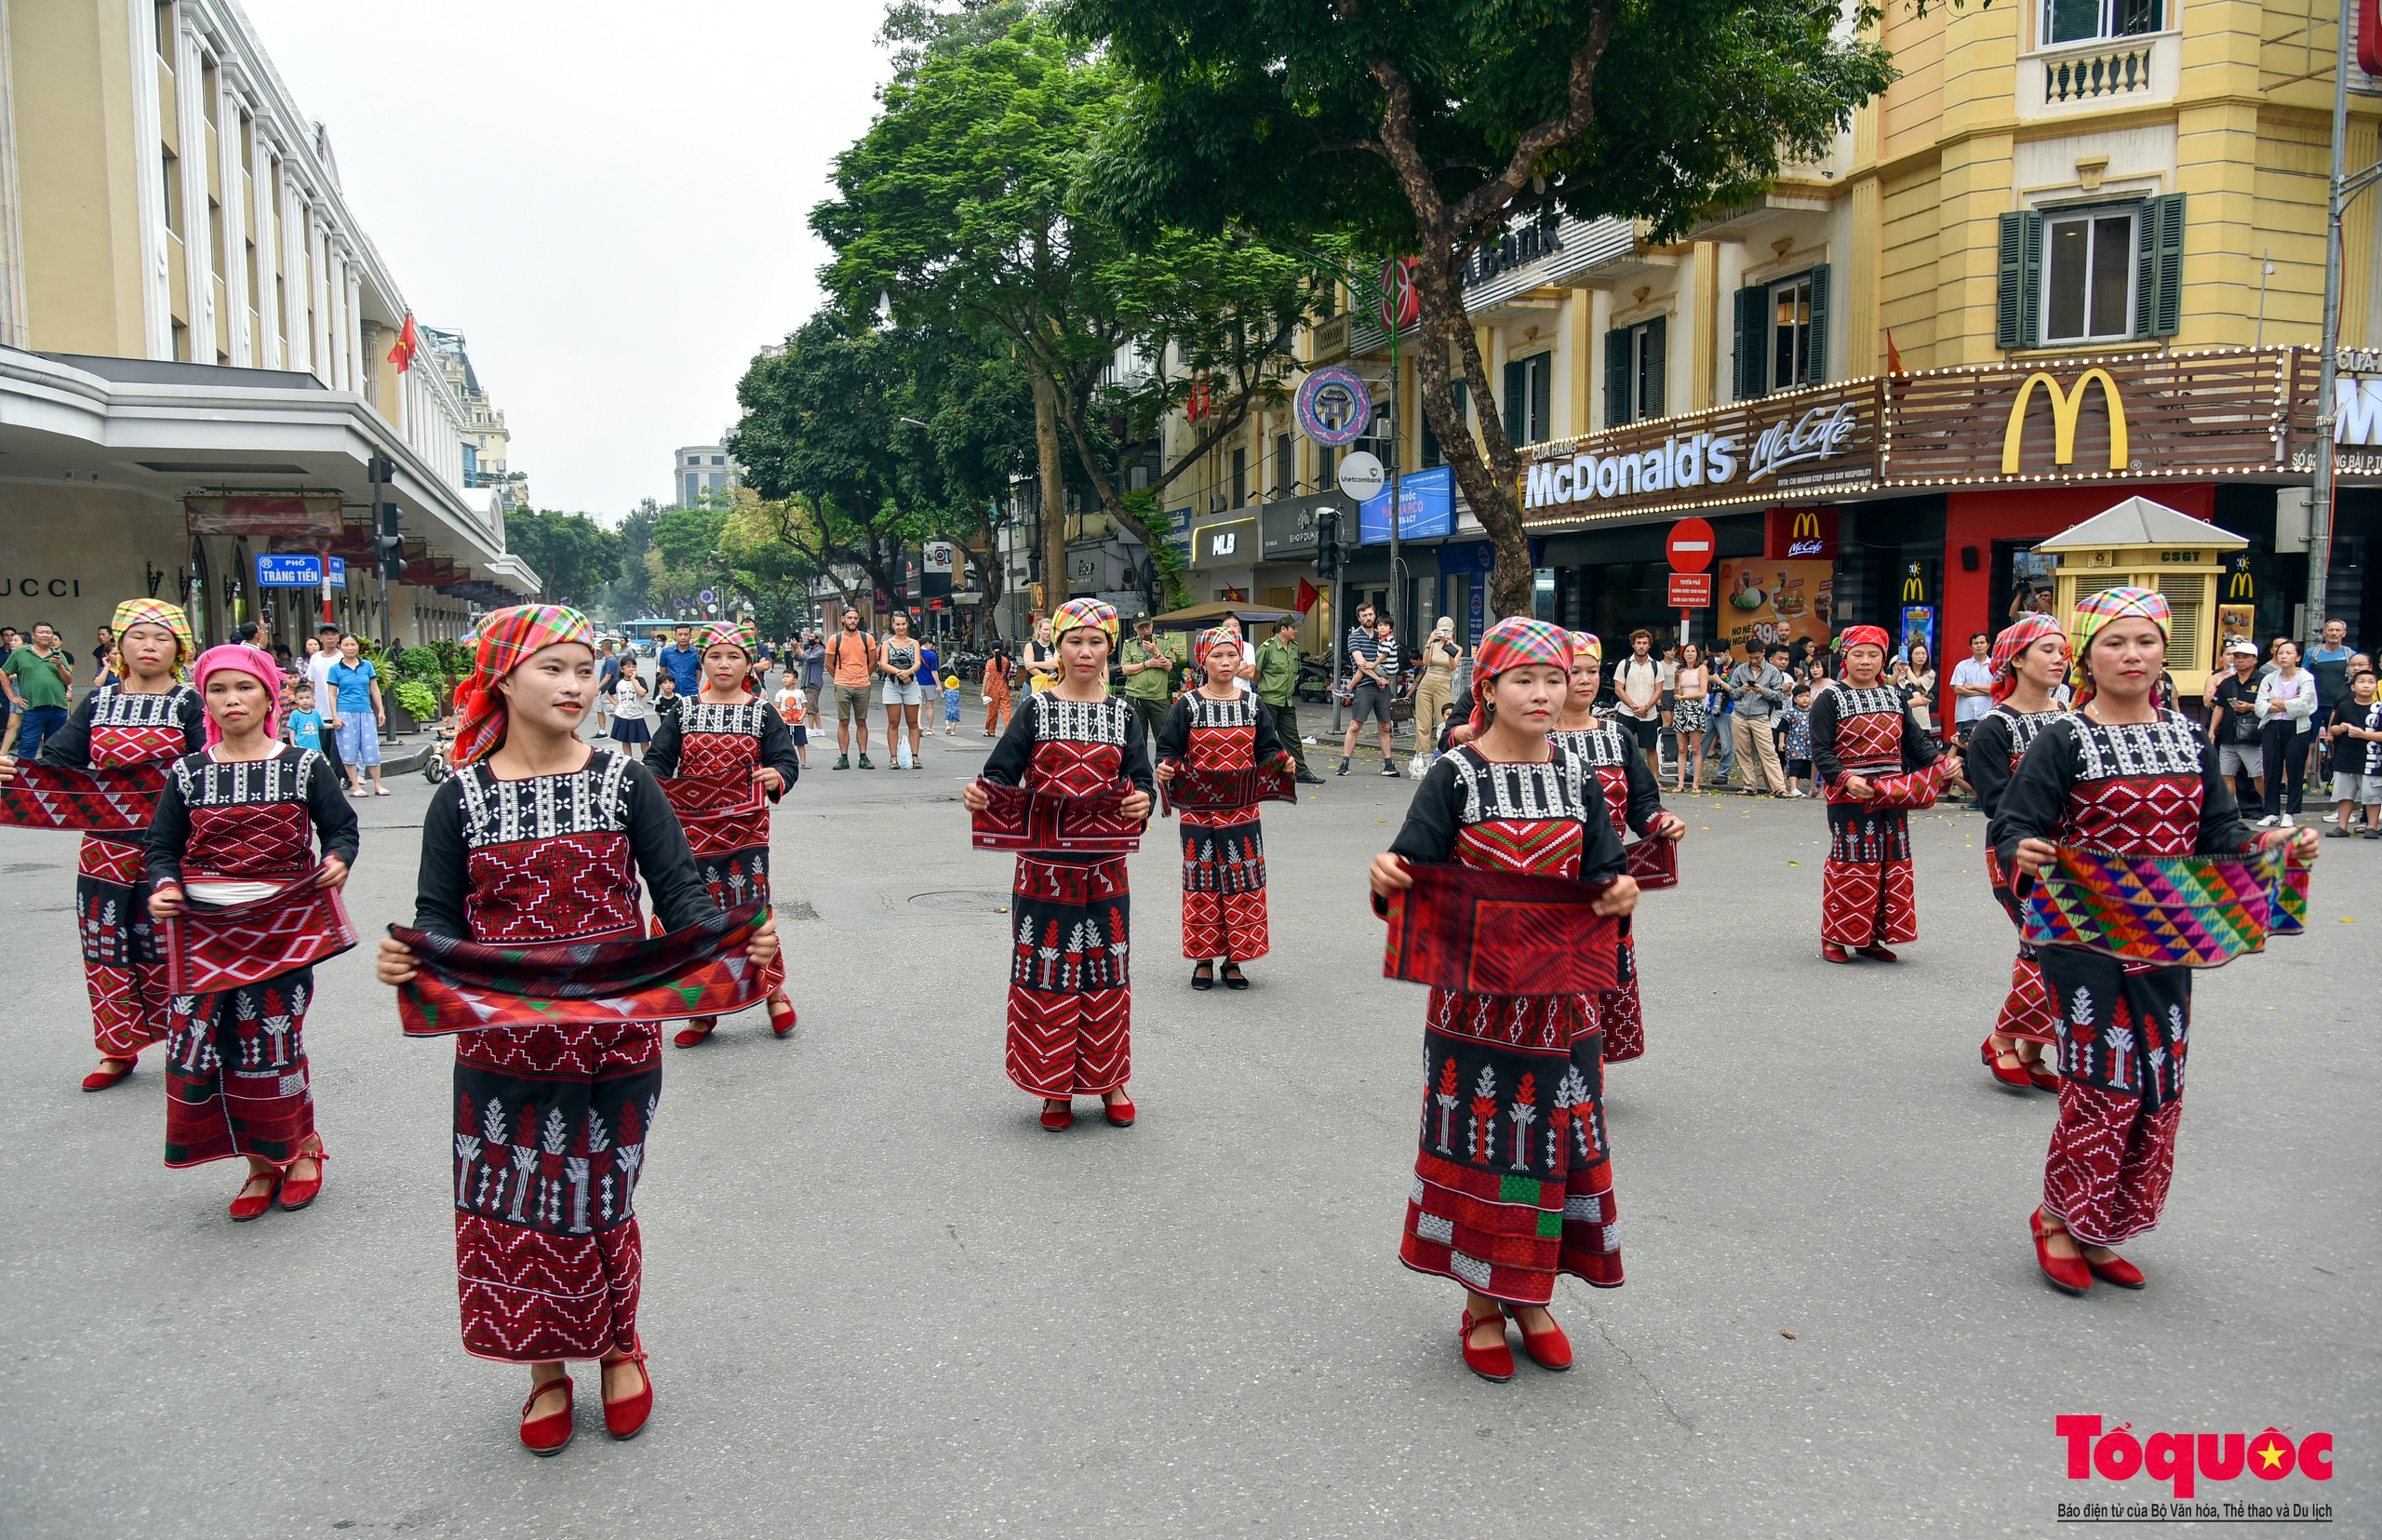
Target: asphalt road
(881,1300)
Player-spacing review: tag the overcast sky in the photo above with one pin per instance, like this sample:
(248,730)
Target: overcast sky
(608,200)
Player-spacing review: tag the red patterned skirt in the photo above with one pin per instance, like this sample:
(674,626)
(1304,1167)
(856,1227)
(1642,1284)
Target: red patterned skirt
(1866,894)
(1513,1178)
(1224,885)
(1618,1015)
(551,1130)
(124,967)
(236,1079)
(2026,1010)
(1070,993)
(2125,1032)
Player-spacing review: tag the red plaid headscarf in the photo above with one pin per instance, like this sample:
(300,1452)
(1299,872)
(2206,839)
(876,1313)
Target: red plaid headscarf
(1208,641)
(2098,611)
(2030,628)
(724,633)
(1866,635)
(240,658)
(508,639)
(1515,642)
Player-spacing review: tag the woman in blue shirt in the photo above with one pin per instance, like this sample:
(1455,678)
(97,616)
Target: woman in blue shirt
(355,686)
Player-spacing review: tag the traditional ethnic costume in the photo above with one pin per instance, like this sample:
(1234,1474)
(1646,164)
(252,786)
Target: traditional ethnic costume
(1513,1178)
(1633,804)
(552,1123)
(1997,742)
(1867,899)
(122,967)
(232,837)
(1070,995)
(2148,789)
(1223,851)
(706,754)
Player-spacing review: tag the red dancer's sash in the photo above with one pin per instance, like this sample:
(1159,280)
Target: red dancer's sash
(1225,790)
(122,800)
(211,948)
(2179,911)
(1016,819)
(719,815)
(1653,862)
(701,970)
(1499,934)
(1912,789)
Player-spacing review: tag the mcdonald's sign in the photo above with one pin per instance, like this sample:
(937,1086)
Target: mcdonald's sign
(1800,534)
(2066,407)
(2237,579)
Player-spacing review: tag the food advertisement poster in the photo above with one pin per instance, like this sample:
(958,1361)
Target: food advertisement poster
(1762,601)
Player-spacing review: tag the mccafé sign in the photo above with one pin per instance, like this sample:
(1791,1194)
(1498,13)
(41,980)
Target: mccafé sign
(2134,418)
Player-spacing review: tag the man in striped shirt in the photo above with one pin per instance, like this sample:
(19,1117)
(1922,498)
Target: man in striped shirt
(1372,663)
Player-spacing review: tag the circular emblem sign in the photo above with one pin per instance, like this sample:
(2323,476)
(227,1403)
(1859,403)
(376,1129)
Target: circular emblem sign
(1360,474)
(1334,406)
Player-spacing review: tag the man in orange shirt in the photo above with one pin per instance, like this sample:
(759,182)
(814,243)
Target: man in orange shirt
(851,663)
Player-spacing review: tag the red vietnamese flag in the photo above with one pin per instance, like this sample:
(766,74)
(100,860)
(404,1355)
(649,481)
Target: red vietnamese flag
(409,342)
(1308,593)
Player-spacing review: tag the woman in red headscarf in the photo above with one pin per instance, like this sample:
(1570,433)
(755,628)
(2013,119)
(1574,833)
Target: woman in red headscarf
(2029,659)
(238,823)
(146,714)
(1220,726)
(2121,774)
(724,752)
(540,837)
(1513,1180)
(1862,731)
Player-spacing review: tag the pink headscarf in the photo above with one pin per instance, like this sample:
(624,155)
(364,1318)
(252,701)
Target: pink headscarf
(240,658)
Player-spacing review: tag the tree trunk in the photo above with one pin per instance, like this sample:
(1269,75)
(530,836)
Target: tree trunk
(987,568)
(1054,491)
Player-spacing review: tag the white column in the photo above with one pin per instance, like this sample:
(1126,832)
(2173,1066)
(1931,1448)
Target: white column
(238,194)
(198,251)
(351,328)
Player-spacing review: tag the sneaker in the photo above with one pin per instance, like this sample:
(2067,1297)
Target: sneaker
(1343,769)
(864,764)
(1391,770)
(2266,823)
(2284,822)
(2332,818)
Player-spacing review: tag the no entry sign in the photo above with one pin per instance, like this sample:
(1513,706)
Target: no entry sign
(1690,547)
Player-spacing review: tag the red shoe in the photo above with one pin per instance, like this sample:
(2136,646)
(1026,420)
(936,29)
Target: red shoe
(105,1075)
(625,1418)
(1119,1114)
(1831,952)
(1881,954)
(546,1435)
(2117,1271)
(780,1014)
(695,1031)
(1057,1116)
(1548,1349)
(246,1206)
(2067,1274)
(1494,1364)
(297,1192)
(2014,1078)
(2043,1079)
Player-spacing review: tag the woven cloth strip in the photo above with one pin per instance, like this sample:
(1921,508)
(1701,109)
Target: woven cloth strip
(508,639)
(211,948)
(2096,610)
(2028,630)
(122,800)
(132,612)
(701,970)
(1219,790)
(1076,614)
(1652,863)
(1016,819)
(1499,933)
(2189,911)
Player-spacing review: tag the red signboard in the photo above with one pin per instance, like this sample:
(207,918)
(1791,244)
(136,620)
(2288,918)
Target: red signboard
(1800,534)
(297,513)
(1690,590)
(1690,547)
(1399,304)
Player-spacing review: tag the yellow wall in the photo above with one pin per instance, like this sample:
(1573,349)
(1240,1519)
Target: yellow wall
(75,165)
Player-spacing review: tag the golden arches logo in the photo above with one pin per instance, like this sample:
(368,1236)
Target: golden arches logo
(2238,585)
(2066,405)
(1807,524)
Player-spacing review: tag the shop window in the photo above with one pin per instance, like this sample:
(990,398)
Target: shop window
(1782,334)
(1286,466)
(2081,275)
(2079,20)
(1634,361)
(1240,476)
(1530,384)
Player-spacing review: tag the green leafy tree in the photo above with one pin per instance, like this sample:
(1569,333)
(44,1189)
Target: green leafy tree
(574,556)
(627,594)
(1435,129)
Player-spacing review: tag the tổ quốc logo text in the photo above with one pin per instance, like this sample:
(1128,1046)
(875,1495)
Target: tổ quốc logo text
(2185,1460)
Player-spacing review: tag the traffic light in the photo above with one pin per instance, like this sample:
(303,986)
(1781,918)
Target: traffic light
(389,546)
(1327,544)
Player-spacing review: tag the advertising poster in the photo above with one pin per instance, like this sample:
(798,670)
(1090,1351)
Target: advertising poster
(1918,625)
(1763,601)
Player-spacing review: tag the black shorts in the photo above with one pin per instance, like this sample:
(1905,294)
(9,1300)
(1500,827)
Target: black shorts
(1368,700)
(1648,732)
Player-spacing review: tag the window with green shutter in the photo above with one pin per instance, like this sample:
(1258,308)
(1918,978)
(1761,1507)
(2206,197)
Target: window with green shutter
(1517,402)
(1815,362)
(1617,378)
(1752,344)
(2158,267)
(1530,398)
(1654,346)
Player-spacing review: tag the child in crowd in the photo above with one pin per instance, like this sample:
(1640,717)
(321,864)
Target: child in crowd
(666,698)
(1797,731)
(303,725)
(792,706)
(2356,733)
(951,705)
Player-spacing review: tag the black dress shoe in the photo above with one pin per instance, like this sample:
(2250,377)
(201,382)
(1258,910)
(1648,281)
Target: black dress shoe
(1203,976)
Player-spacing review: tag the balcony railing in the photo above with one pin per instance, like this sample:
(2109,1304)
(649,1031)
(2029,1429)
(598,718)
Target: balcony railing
(2118,70)
(2100,73)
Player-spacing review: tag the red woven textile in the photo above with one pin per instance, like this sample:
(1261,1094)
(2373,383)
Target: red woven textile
(1917,788)
(719,815)
(1653,863)
(1214,790)
(1499,934)
(701,970)
(111,801)
(1016,819)
(212,947)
